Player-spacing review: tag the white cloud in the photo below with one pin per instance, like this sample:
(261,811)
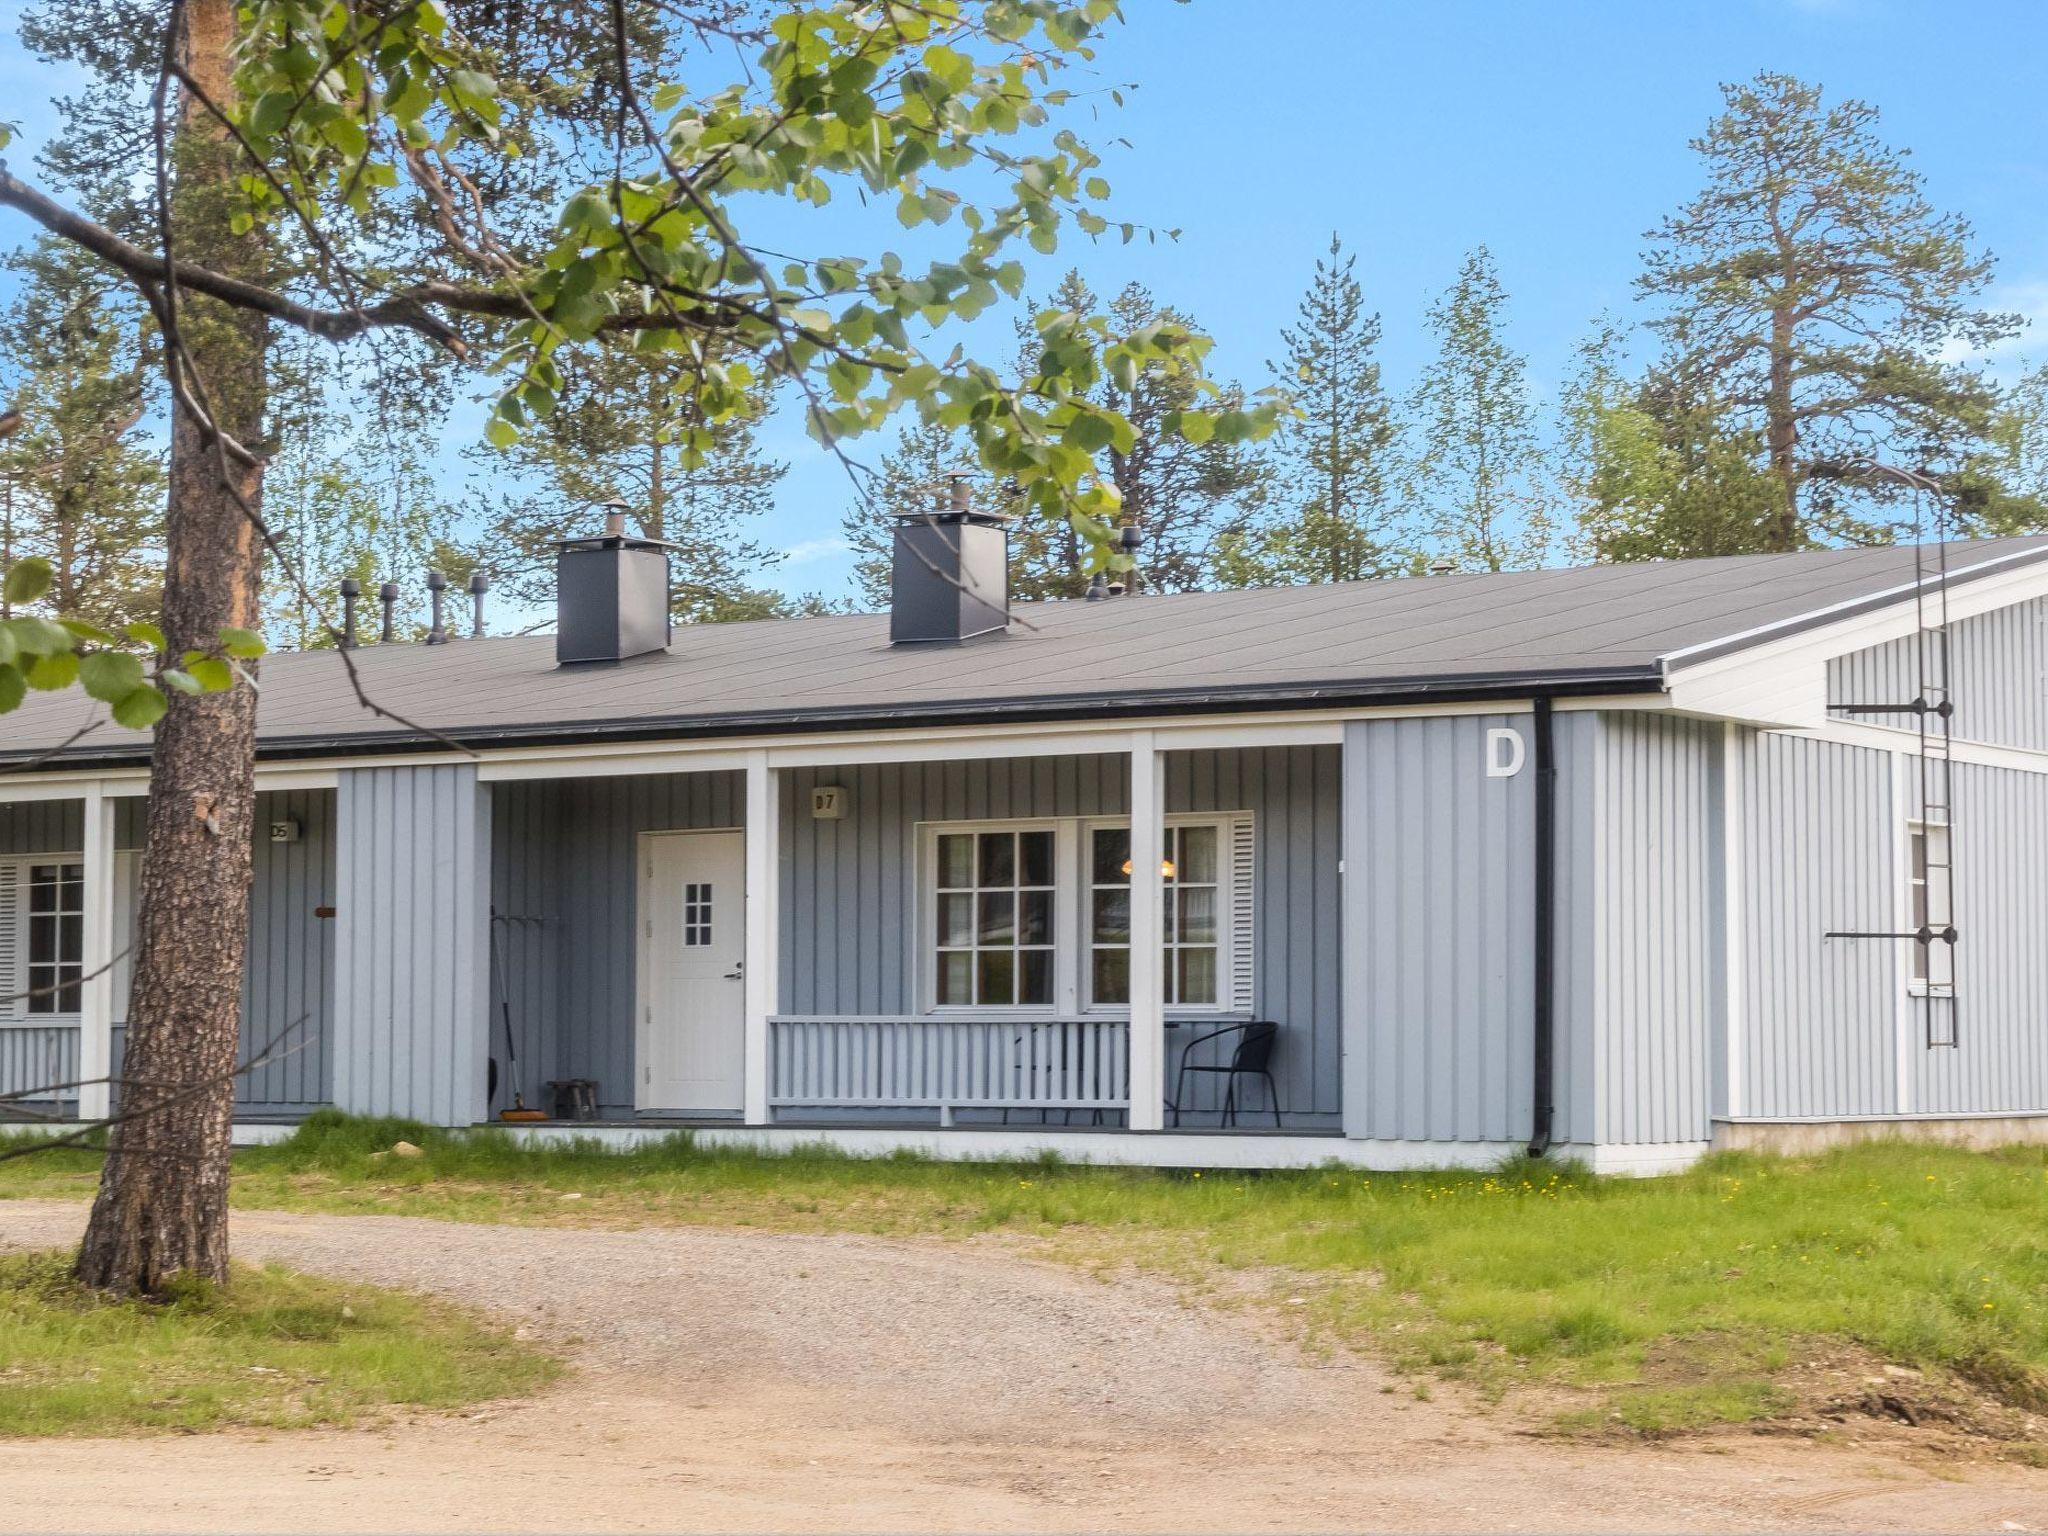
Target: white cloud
(2028,300)
(808,551)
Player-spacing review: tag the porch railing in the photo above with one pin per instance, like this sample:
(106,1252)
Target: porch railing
(948,1063)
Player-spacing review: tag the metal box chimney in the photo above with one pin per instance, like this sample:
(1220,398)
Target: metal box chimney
(611,594)
(950,578)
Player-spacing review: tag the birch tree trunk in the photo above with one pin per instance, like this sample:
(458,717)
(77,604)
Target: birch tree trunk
(162,1203)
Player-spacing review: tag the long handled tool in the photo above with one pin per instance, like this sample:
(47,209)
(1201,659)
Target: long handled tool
(518,1111)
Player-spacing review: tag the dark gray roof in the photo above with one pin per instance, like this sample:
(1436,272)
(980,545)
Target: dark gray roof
(1605,628)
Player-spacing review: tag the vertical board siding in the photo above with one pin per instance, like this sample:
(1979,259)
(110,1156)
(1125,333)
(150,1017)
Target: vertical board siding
(412,992)
(287,986)
(2000,854)
(1438,927)
(567,855)
(45,826)
(34,1057)
(1998,663)
(1657,926)
(1819,850)
(849,887)
(527,858)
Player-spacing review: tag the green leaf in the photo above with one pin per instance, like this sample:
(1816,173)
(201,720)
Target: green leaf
(13,689)
(211,673)
(110,675)
(183,681)
(1197,426)
(27,580)
(53,673)
(147,634)
(500,433)
(242,643)
(1089,432)
(271,113)
(140,708)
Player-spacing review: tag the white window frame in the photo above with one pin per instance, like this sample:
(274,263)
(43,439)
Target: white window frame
(14,981)
(1071,895)
(925,916)
(1918,984)
(1226,928)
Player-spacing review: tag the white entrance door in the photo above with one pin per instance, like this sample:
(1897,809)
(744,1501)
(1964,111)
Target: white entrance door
(692,1035)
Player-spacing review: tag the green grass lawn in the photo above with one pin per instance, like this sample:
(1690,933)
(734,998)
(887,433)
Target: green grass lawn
(271,1348)
(1671,1301)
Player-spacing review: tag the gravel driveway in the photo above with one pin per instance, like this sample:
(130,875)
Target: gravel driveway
(754,1381)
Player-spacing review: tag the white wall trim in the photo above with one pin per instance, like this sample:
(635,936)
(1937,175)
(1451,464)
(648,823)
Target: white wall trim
(1783,682)
(763,977)
(1735,894)
(96,989)
(1890,738)
(1148,932)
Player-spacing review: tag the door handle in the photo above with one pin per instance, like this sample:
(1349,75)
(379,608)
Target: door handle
(738,972)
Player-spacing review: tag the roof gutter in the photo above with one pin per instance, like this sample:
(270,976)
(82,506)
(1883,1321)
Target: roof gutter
(1478,688)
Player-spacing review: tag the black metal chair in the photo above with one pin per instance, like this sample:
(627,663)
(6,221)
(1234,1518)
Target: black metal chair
(1252,1057)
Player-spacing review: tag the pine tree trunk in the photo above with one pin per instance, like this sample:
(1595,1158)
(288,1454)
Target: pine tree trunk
(162,1203)
(1781,438)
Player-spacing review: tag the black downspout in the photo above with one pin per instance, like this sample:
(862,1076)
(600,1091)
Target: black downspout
(1545,981)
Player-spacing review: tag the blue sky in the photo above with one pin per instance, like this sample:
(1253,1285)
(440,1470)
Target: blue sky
(1555,133)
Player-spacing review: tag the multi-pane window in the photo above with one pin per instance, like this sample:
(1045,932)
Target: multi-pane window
(1193,880)
(696,914)
(56,936)
(994,918)
(1934,962)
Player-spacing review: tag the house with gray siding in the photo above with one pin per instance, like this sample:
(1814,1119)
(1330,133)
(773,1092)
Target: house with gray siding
(1624,863)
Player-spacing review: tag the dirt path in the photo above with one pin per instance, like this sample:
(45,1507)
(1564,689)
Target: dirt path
(740,1381)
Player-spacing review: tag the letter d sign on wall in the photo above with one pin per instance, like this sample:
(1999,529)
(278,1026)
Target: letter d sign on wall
(1504,752)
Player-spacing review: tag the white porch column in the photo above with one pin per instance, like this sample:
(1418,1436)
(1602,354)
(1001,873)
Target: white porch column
(96,991)
(763,910)
(1148,934)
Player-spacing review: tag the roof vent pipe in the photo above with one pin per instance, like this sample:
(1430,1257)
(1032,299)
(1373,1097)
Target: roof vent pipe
(351,589)
(478,586)
(437,586)
(1133,539)
(949,579)
(1441,568)
(611,594)
(387,599)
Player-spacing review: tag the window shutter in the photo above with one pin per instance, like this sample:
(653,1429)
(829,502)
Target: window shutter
(11,1004)
(1243,927)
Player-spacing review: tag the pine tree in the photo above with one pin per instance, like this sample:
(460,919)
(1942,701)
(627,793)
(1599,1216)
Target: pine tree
(1810,293)
(1652,476)
(1335,468)
(79,486)
(1477,481)
(620,432)
(1191,501)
